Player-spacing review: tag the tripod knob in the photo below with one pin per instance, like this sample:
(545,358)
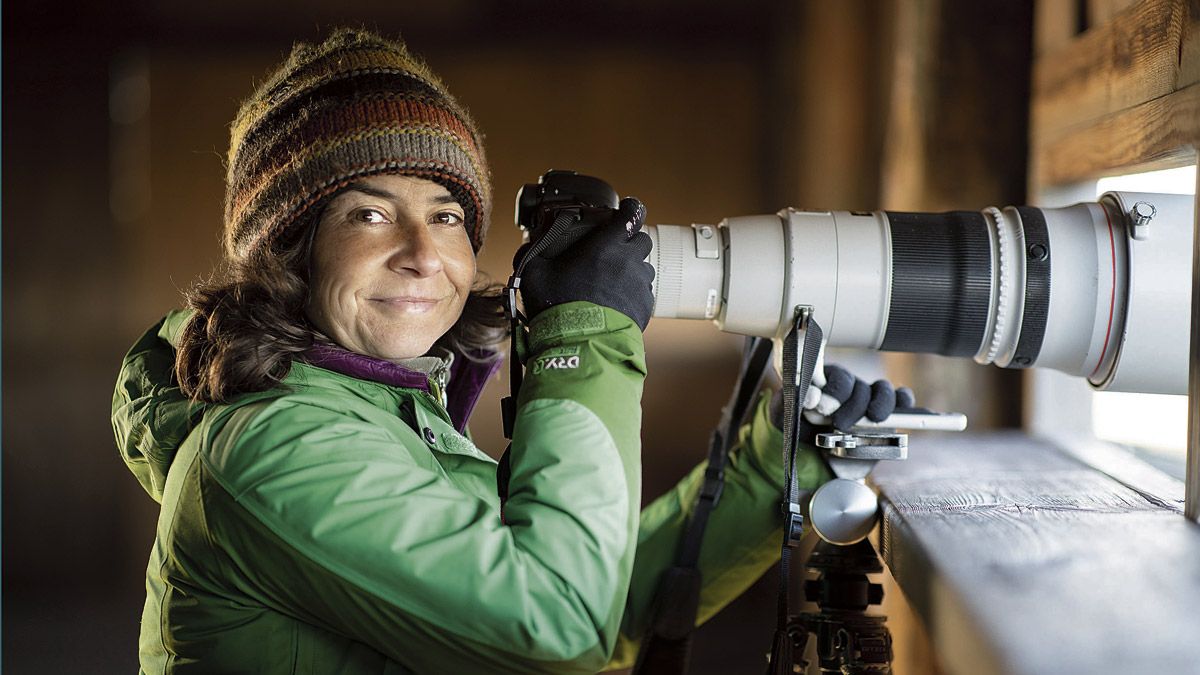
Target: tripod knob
(843,511)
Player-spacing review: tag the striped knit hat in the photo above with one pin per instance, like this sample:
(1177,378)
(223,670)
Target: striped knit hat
(355,105)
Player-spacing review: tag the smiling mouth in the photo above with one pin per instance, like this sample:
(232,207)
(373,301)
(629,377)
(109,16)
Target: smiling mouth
(409,303)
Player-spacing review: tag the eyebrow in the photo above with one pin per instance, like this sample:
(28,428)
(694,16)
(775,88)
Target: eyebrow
(384,194)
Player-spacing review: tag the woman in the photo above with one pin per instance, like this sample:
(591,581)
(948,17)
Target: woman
(301,424)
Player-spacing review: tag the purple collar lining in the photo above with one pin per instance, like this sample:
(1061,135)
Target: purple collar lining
(467,376)
(365,367)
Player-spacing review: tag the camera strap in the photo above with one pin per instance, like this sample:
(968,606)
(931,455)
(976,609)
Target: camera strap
(517,321)
(801,349)
(667,642)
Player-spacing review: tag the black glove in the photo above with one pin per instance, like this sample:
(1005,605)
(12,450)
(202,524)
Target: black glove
(853,399)
(857,398)
(607,267)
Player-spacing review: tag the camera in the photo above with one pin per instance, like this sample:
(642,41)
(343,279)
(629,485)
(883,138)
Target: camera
(1099,289)
(557,194)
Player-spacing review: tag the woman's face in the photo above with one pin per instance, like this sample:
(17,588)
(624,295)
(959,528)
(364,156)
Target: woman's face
(392,266)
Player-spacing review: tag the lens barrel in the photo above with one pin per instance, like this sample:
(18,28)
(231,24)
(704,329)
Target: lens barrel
(1018,287)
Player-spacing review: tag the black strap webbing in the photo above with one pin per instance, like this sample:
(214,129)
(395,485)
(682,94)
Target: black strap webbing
(508,405)
(801,348)
(667,642)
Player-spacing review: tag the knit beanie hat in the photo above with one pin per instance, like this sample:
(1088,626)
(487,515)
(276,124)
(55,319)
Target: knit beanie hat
(355,105)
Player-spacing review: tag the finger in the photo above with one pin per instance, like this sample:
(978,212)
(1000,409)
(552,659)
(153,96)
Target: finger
(640,245)
(854,407)
(616,229)
(827,404)
(905,398)
(631,215)
(818,377)
(646,273)
(839,382)
(813,398)
(883,401)
(816,418)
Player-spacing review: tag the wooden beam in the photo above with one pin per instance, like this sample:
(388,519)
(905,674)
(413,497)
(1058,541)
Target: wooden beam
(1189,51)
(1022,559)
(957,122)
(956,139)
(1133,58)
(1163,132)
(1100,12)
(1055,24)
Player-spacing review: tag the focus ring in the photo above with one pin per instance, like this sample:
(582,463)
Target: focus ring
(941,283)
(668,276)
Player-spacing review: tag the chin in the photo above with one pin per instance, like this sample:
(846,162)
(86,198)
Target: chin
(402,350)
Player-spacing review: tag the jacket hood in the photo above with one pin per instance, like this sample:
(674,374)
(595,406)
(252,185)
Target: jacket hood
(150,415)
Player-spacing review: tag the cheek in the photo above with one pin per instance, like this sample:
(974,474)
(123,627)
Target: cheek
(463,278)
(466,276)
(460,266)
(331,295)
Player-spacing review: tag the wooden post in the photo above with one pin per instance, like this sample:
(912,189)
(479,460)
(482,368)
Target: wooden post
(956,139)
(1191,507)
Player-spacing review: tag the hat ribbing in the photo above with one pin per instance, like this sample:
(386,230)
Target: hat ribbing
(356,105)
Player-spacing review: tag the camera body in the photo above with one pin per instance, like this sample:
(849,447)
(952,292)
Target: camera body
(558,193)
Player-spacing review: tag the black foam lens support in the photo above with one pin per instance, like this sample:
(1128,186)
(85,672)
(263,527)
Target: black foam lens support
(1037,288)
(941,283)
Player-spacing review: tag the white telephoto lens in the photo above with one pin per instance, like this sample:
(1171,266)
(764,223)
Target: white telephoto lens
(1070,289)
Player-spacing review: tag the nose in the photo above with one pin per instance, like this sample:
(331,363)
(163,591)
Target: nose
(416,251)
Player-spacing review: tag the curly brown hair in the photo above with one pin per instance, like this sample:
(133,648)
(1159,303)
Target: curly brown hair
(250,324)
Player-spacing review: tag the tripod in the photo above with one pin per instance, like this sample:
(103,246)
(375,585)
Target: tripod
(842,512)
(849,642)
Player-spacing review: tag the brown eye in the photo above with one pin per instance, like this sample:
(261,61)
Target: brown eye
(368,216)
(448,218)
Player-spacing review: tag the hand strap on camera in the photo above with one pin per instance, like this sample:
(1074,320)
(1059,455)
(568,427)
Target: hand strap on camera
(517,322)
(667,641)
(801,348)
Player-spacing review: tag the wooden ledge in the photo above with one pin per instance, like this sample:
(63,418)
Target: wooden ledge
(1022,558)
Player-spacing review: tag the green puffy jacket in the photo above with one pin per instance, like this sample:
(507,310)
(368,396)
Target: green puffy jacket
(342,525)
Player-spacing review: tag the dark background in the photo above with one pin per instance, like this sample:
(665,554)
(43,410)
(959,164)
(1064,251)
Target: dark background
(115,126)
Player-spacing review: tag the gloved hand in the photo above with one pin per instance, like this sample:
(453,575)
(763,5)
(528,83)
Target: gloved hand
(845,399)
(607,267)
(840,399)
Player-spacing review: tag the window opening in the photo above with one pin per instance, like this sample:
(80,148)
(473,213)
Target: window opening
(1152,426)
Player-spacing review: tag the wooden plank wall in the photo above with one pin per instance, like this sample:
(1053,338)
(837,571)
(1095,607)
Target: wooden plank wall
(1125,92)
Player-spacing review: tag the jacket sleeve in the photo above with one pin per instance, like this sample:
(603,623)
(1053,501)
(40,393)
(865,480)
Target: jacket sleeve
(744,533)
(322,518)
